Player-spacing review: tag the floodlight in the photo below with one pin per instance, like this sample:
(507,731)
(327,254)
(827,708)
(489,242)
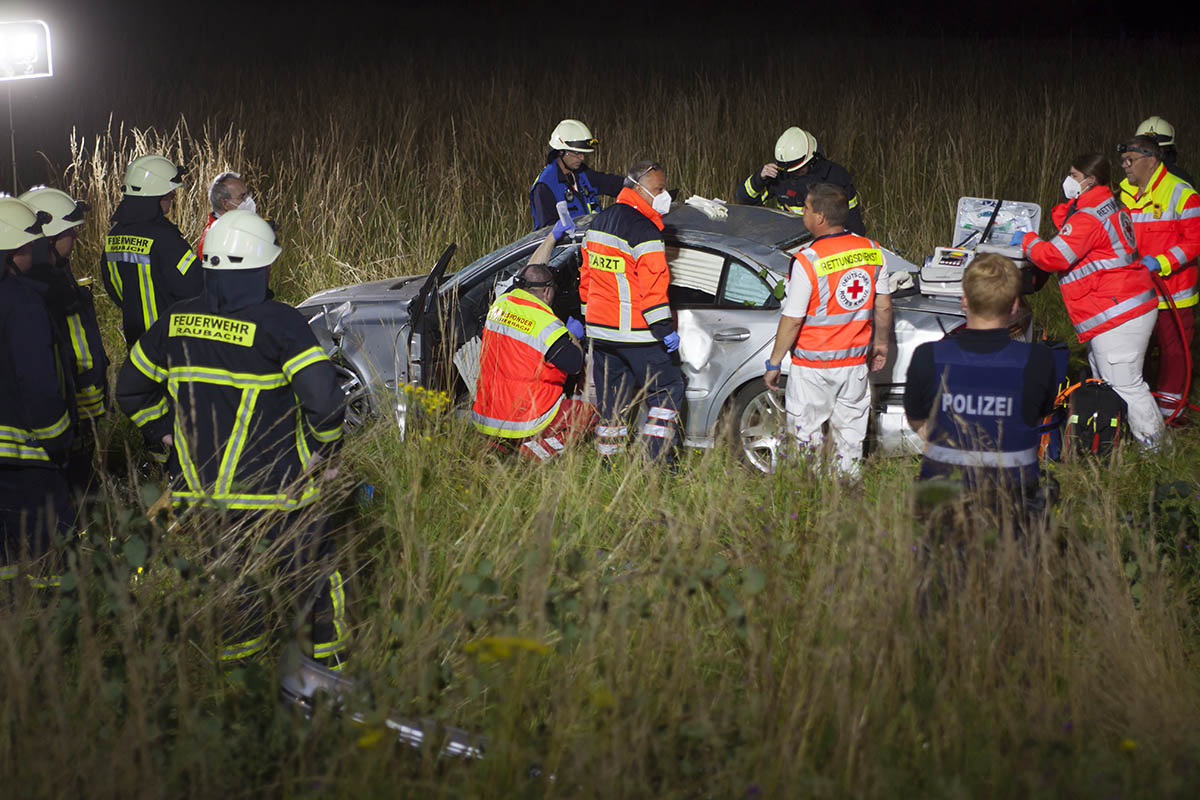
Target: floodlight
(25,50)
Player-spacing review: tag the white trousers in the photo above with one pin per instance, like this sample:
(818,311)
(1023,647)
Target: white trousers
(839,396)
(1116,356)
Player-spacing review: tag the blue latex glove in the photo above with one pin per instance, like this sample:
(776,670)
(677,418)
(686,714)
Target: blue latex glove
(1151,263)
(671,341)
(563,228)
(575,327)
(1016,239)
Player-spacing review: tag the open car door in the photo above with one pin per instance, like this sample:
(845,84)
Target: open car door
(425,324)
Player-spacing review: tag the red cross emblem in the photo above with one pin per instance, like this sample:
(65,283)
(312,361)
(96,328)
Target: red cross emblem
(855,289)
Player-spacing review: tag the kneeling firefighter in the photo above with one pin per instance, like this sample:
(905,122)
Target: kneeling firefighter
(236,386)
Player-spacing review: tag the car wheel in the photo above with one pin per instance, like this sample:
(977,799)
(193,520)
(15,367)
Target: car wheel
(358,399)
(759,425)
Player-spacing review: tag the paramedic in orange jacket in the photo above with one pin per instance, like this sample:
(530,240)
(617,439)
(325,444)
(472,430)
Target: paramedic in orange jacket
(623,291)
(1109,295)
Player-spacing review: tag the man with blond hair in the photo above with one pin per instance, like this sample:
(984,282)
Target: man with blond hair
(977,397)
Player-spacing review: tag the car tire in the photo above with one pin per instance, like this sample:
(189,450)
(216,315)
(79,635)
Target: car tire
(359,409)
(758,424)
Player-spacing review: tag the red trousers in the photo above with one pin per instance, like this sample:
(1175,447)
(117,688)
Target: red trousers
(1170,383)
(574,420)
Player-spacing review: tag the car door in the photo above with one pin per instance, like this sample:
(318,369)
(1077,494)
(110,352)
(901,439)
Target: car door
(725,311)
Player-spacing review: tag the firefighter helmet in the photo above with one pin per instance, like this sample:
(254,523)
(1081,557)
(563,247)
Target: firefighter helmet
(571,134)
(795,148)
(151,176)
(1158,129)
(66,212)
(240,240)
(20,223)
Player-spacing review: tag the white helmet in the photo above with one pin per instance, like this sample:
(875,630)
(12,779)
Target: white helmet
(571,134)
(151,176)
(795,148)
(66,211)
(1158,129)
(240,240)
(20,223)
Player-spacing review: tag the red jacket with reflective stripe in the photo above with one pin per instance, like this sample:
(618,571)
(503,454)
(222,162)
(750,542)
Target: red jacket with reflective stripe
(842,269)
(1166,218)
(519,392)
(200,242)
(624,278)
(1102,283)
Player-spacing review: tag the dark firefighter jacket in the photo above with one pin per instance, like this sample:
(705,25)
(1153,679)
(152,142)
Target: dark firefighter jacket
(146,265)
(789,190)
(36,419)
(245,391)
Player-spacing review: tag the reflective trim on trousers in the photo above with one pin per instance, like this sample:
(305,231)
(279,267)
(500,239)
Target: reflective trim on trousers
(981,458)
(658,412)
(1114,312)
(535,447)
(1093,266)
(661,431)
(612,431)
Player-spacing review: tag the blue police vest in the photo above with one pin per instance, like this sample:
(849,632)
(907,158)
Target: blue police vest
(978,423)
(580,201)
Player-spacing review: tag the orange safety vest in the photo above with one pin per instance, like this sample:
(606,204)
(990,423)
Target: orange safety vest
(842,269)
(1166,220)
(518,392)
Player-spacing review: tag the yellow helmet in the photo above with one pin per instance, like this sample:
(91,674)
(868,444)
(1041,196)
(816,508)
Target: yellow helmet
(151,176)
(795,148)
(571,134)
(65,211)
(1159,129)
(20,223)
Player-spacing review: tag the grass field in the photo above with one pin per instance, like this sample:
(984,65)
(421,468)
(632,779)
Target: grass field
(633,634)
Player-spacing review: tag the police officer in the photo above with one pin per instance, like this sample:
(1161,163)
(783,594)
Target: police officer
(36,415)
(526,357)
(567,178)
(978,397)
(1163,133)
(147,265)
(73,314)
(623,290)
(799,165)
(238,388)
(837,322)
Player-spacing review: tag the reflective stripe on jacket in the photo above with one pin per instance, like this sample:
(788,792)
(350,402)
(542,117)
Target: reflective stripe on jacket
(1095,254)
(1166,219)
(978,423)
(624,278)
(248,397)
(146,267)
(842,270)
(518,392)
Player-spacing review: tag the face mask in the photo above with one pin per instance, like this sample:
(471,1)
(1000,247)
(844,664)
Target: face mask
(248,204)
(661,202)
(1071,187)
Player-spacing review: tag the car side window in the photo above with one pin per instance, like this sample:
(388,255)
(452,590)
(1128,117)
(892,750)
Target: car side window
(744,288)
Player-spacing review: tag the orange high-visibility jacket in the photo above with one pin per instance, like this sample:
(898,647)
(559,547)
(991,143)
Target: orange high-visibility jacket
(624,278)
(1102,283)
(1166,219)
(519,392)
(842,269)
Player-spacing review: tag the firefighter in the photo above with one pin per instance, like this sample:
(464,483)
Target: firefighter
(147,265)
(837,288)
(249,404)
(798,166)
(227,192)
(1109,296)
(73,312)
(526,358)
(623,292)
(36,414)
(1166,221)
(567,178)
(1163,133)
(977,398)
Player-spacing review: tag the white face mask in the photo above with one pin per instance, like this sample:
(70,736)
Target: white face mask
(1071,187)
(248,204)
(661,202)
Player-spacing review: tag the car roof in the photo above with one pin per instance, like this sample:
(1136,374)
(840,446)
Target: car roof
(753,223)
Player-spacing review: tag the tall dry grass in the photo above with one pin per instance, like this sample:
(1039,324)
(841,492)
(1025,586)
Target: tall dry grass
(632,633)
